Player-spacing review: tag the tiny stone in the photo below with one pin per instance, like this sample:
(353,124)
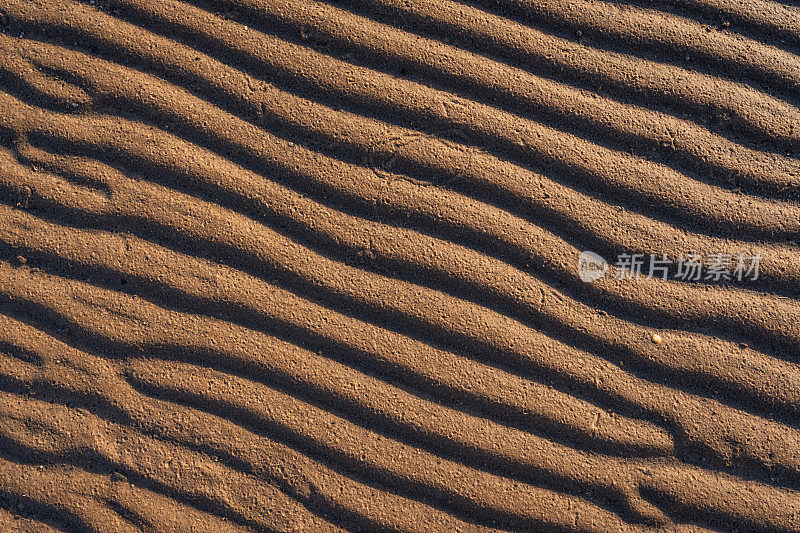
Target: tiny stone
(25,197)
(657,338)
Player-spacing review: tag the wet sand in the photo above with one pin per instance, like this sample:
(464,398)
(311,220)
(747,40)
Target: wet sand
(288,265)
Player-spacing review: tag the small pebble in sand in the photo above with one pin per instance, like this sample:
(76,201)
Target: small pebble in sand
(656,338)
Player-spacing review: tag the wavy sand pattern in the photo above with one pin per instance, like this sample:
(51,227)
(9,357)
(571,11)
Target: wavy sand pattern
(294,265)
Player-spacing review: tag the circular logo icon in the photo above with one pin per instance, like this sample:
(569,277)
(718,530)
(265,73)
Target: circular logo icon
(591,267)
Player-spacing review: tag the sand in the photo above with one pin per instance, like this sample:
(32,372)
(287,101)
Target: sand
(289,265)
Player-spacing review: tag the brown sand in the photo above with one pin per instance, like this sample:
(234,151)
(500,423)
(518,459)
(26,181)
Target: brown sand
(288,265)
